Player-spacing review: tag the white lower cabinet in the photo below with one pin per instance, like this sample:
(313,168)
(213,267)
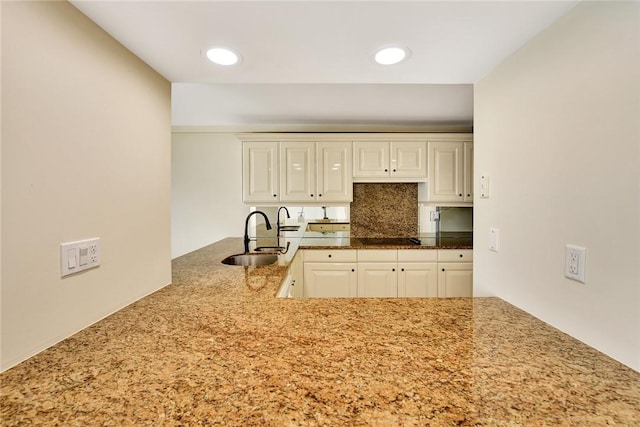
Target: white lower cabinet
(330,280)
(377,276)
(455,280)
(455,273)
(377,279)
(330,274)
(388,273)
(418,279)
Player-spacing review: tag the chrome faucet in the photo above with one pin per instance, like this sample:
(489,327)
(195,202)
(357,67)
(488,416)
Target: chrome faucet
(278,218)
(246,228)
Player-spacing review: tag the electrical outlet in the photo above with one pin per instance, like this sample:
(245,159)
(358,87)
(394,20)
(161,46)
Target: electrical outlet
(79,256)
(575,263)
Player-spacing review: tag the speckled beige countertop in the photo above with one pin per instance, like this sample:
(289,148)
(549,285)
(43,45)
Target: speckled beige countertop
(216,348)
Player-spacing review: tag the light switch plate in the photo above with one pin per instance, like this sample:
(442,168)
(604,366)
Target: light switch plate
(484,186)
(79,256)
(493,239)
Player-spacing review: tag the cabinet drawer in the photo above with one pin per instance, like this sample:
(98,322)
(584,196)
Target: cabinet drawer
(324,255)
(455,255)
(341,227)
(377,255)
(417,255)
(320,227)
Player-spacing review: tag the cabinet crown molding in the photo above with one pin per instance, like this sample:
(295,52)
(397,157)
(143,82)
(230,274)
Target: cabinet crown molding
(356,136)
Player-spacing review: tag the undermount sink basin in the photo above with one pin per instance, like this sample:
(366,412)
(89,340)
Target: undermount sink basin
(270,249)
(289,227)
(250,259)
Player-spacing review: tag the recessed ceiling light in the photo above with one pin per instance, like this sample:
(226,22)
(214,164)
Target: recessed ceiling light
(222,56)
(391,55)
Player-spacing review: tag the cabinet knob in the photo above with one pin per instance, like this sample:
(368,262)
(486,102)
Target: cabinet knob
(443,269)
(353,270)
(394,170)
(319,195)
(461,255)
(460,195)
(311,195)
(393,269)
(329,255)
(402,269)
(275,195)
(386,170)
(468,195)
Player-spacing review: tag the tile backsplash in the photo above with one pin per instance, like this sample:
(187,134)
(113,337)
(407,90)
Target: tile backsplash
(384,210)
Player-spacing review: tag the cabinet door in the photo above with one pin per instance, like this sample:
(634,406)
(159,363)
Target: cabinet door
(330,280)
(418,279)
(378,279)
(371,159)
(335,172)
(409,159)
(445,172)
(298,171)
(455,279)
(468,171)
(260,172)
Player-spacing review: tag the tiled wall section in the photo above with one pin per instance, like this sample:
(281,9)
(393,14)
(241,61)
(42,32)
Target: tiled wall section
(384,210)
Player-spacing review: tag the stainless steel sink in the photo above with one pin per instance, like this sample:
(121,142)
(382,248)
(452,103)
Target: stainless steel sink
(270,249)
(250,259)
(289,227)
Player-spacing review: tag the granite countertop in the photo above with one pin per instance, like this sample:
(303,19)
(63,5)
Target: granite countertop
(217,348)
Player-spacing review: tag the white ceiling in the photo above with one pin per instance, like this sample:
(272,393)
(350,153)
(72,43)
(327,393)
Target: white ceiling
(310,62)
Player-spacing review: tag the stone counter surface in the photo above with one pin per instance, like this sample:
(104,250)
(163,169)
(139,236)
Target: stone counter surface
(217,348)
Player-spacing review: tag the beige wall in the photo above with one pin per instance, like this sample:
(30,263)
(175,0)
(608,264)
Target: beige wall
(556,129)
(207,190)
(85,153)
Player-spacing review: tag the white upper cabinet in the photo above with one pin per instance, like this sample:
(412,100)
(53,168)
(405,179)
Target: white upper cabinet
(298,171)
(260,171)
(390,159)
(334,173)
(409,159)
(450,171)
(371,159)
(316,172)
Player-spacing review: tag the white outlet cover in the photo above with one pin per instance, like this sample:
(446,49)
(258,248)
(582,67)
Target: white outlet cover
(575,263)
(493,239)
(79,256)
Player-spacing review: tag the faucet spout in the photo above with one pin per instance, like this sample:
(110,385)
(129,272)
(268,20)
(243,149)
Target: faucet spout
(278,218)
(246,228)
(325,213)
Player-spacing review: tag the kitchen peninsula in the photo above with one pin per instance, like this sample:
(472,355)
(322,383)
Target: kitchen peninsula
(217,348)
